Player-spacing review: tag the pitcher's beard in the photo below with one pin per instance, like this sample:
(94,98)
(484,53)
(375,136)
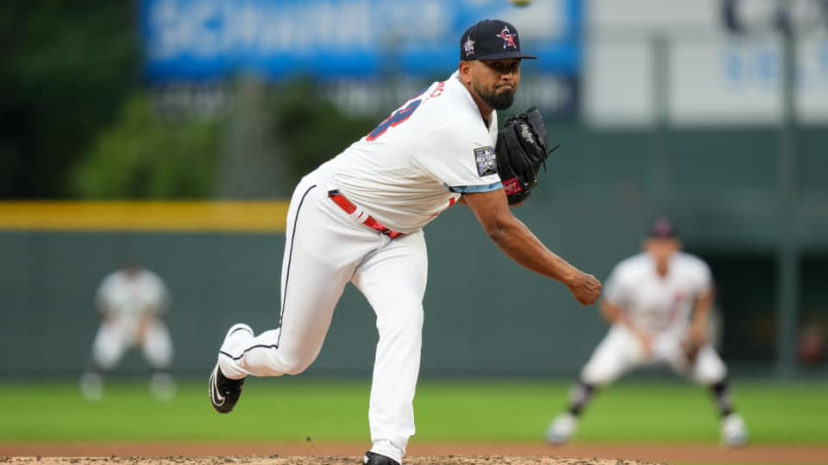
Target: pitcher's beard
(498,101)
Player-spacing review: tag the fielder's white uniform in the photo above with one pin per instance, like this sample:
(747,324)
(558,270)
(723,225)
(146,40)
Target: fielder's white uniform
(397,179)
(662,308)
(130,305)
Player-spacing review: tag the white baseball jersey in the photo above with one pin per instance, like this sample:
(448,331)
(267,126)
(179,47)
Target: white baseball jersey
(404,177)
(130,297)
(656,303)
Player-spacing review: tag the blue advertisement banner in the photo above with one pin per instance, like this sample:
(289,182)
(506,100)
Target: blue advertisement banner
(197,40)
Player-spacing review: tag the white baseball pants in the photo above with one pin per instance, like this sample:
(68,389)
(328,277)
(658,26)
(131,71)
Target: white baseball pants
(621,351)
(326,249)
(116,335)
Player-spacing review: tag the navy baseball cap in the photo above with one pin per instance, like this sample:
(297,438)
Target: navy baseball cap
(662,228)
(489,40)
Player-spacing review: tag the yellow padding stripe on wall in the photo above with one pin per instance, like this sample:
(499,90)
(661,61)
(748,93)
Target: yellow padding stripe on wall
(257,217)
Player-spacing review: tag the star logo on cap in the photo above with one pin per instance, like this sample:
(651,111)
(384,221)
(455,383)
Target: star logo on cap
(468,46)
(508,37)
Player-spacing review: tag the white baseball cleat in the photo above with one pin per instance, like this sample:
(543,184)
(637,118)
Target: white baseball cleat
(562,429)
(163,387)
(734,431)
(91,385)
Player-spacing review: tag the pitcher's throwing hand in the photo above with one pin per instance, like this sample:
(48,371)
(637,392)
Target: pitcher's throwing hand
(586,289)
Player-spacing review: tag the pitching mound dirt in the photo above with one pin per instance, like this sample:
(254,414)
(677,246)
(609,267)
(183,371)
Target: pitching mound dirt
(317,460)
(313,453)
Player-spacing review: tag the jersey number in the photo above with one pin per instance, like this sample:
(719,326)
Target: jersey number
(396,118)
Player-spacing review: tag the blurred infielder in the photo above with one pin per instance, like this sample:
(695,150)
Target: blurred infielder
(131,302)
(359,219)
(658,303)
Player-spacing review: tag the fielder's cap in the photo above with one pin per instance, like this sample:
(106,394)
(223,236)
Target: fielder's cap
(489,40)
(662,228)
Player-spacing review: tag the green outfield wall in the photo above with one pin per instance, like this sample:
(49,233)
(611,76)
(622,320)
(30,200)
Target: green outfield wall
(484,314)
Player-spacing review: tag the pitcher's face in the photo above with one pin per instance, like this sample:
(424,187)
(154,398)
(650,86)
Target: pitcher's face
(495,82)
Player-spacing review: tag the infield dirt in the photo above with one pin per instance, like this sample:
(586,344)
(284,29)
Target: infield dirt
(315,460)
(311,453)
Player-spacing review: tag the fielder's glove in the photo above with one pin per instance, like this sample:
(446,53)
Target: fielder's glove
(691,347)
(521,149)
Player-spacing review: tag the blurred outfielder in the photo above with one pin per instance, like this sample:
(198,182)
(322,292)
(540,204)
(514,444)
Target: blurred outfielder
(131,302)
(658,303)
(359,219)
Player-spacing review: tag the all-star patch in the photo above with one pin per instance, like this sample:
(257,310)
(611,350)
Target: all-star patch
(468,46)
(486,161)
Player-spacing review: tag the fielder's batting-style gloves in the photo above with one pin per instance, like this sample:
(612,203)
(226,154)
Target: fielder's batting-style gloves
(521,149)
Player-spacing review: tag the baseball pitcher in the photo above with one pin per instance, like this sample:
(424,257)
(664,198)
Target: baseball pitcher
(359,219)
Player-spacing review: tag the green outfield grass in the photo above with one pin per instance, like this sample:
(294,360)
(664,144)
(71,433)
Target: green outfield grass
(295,409)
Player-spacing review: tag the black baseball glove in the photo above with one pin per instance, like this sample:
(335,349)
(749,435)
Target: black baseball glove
(521,149)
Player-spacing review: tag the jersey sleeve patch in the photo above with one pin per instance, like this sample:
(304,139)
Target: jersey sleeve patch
(486,161)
